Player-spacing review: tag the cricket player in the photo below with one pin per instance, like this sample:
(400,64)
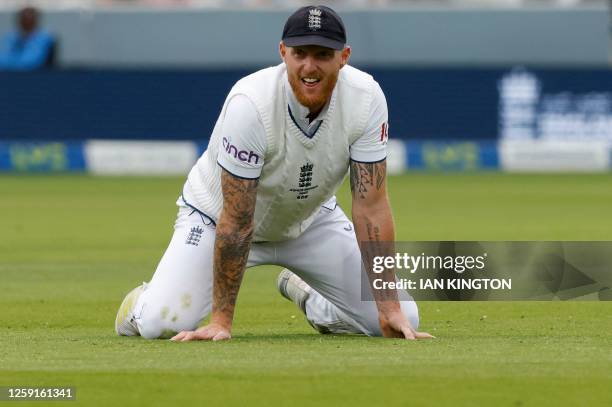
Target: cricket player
(263,193)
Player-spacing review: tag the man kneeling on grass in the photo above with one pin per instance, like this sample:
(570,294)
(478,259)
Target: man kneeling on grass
(263,193)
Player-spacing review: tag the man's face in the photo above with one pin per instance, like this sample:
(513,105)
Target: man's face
(27,20)
(313,72)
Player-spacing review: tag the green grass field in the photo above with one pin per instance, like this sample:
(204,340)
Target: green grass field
(72,246)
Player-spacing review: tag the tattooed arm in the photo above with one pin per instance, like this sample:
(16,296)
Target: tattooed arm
(374,223)
(375,233)
(232,245)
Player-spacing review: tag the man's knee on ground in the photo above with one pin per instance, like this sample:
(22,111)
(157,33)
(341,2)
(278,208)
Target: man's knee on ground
(164,323)
(152,326)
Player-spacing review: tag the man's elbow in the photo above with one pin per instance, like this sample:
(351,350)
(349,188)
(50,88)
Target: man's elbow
(372,205)
(239,230)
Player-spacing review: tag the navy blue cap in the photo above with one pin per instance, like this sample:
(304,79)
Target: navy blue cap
(315,25)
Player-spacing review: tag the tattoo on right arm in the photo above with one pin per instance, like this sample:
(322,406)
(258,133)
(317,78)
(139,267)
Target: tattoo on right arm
(233,240)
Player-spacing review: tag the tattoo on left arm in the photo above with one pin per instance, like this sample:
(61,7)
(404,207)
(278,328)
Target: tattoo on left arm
(232,242)
(366,177)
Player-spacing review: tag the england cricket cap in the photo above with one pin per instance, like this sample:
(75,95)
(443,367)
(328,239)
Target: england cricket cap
(315,25)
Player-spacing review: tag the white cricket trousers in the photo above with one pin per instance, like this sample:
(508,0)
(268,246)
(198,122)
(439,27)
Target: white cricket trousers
(326,256)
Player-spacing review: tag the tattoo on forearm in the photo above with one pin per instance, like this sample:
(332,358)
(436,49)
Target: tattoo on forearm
(365,176)
(373,223)
(373,232)
(381,172)
(233,240)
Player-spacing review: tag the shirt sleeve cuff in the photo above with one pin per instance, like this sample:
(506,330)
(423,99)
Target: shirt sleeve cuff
(237,170)
(368,156)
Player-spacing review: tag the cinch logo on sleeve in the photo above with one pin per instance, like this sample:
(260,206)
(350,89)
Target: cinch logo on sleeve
(242,155)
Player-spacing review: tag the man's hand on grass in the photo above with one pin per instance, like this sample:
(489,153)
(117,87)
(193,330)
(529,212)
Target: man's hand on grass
(210,332)
(395,325)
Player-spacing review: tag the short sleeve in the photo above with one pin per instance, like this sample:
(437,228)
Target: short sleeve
(372,145)
(243,139)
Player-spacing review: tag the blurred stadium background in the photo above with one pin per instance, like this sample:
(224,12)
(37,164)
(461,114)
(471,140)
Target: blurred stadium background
(515,85)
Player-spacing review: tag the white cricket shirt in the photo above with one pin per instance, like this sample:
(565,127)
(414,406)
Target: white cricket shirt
(262,132)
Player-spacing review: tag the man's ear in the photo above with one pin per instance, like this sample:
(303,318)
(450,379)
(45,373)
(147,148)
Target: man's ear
(282,49)
(346,54)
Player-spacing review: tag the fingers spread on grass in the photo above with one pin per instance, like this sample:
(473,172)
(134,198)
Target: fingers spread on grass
(179,336)
(424,335)
(408,334)
(186,336)
(222,336)
(206,333)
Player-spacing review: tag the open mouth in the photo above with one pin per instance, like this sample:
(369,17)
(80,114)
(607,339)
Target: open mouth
(310,82)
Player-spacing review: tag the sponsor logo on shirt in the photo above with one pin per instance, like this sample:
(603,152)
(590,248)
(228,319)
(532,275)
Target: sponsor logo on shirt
(242,155)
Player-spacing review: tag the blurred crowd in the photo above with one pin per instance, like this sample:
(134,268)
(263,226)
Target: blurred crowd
(50,4)
(27,46)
